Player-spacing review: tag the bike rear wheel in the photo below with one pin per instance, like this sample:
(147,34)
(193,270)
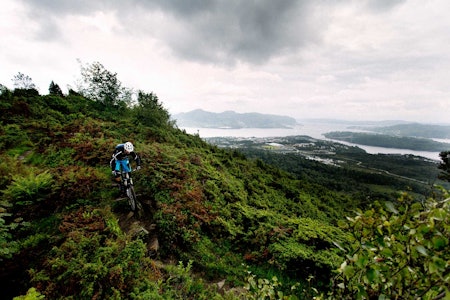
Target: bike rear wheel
(131,198)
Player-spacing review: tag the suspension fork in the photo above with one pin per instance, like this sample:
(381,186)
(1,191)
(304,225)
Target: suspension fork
(127,181)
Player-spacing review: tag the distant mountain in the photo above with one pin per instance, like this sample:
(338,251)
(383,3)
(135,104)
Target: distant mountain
(230,119)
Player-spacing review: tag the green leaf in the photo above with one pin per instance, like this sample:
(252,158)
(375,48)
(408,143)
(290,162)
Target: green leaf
(424,229)
(439,263)
(447,295)
(439,242)
(371,275)
(362,261)
(421,249)
(390,207)
(337,244)
(386,252)
(349,271)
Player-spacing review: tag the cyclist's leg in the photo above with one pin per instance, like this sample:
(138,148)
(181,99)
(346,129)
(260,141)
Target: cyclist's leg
(117,168)
(125,166)
(118,176)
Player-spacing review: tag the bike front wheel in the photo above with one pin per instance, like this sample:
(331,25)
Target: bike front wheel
(131,198)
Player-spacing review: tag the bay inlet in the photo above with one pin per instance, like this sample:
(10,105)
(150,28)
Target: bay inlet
(314,130)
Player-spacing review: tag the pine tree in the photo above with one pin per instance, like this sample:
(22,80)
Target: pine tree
(54,89)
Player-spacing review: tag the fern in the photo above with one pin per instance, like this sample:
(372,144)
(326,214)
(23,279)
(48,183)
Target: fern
(25,190)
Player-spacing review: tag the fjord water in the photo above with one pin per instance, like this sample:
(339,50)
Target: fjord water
(313,129)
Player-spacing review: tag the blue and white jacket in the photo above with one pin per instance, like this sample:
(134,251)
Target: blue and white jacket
(119,154)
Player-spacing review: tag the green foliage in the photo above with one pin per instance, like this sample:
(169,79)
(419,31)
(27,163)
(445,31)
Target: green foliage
(262,288)
(12,135)
(150,111)
(55,157)
(178,282)
(9,166)
(217,262)
(308,246)
(101,85)
(78,182)
(445,165)
(32,294)
(213,208)
(91,262)
(54,89)
(397,252)
(8,246)
(22,81)
(29,189)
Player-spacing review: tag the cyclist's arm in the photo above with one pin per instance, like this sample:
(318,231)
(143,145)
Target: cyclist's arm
(114,158)
(136,157)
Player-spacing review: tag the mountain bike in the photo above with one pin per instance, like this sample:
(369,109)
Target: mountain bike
(127,183)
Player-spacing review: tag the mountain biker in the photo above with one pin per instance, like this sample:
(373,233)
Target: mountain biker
(120,161)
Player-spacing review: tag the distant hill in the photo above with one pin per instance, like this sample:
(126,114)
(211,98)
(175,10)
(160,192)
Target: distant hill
(416,130)
(388,141)
(231,119)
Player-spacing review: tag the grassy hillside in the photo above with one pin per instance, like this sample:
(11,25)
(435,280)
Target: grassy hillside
(342,168)
(208,215)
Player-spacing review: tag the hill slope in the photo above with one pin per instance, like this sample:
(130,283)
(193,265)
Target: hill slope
(58,195)
(65,232)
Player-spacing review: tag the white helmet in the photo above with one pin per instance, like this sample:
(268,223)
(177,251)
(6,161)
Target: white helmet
(128,146)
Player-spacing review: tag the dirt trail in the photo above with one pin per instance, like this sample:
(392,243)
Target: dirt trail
(140,224)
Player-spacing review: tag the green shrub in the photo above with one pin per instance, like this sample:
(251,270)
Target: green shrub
(8,245)
(263,288)
(13,136)
(77,182)
(32,294)
(57,157)
(182,284)
(92,261)
(397,252)
(9,166)
(29,189)
(217,262)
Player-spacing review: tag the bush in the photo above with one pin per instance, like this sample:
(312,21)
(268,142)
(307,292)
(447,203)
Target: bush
(8,246)
(32,294)
(92,261)
(397,252)
(29,189)
(12,136)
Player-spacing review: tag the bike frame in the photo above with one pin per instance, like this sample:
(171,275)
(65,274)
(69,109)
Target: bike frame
(127,183)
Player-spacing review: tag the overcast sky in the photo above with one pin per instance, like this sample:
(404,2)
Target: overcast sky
(341,59)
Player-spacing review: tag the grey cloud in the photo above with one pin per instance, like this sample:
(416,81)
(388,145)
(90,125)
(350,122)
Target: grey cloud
(229,31)
(215,31)
(63,7)
(45,12)
(383,5)
(242,30)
